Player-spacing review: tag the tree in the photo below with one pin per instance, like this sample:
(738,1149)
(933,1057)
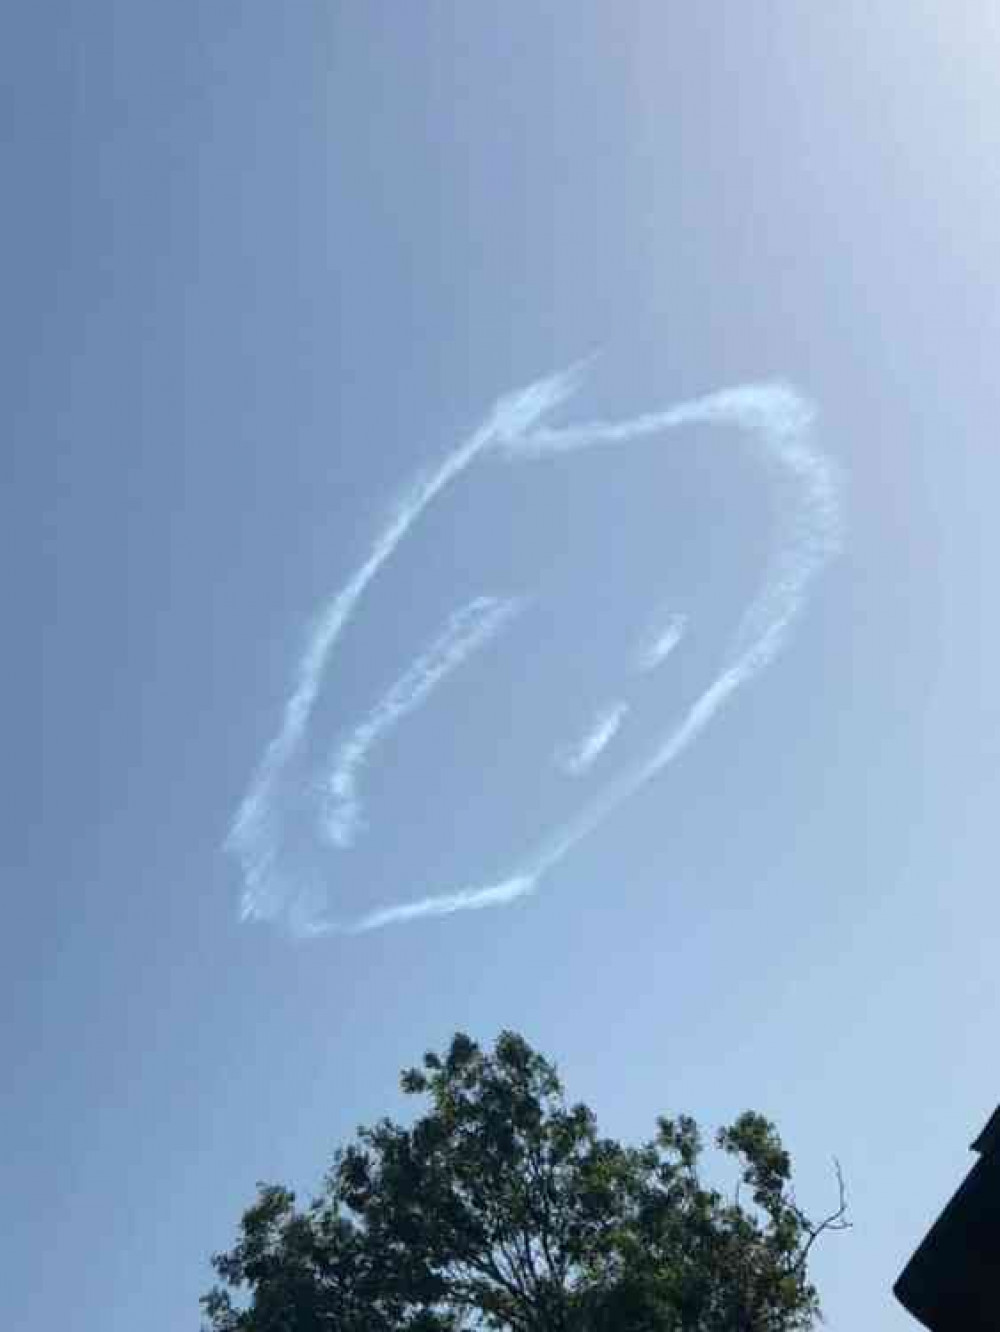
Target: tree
(501,1207)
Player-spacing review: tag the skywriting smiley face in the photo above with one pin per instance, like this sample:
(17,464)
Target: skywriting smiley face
(305,808)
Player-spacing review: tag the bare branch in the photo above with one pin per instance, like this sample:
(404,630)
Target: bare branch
(837,1220)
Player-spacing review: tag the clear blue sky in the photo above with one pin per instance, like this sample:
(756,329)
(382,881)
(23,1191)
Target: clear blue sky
(264,264)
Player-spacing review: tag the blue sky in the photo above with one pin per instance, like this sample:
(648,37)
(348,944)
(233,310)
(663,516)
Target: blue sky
(260,273)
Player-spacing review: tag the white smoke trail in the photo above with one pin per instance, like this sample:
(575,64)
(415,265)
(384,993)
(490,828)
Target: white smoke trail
(660,645)
(439,904)
(774,417)
(467,630)
(255,837)
(588,750)
(811,523)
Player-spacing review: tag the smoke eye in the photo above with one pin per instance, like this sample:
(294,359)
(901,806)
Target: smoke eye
(578,759)
(657,644)
(660,642)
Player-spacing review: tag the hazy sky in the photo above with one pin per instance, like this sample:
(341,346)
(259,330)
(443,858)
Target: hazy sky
(265,269)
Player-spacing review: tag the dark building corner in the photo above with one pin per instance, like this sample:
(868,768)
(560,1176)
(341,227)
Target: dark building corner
(952,1282)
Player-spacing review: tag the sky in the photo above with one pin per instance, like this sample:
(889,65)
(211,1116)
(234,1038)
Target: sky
(265,274)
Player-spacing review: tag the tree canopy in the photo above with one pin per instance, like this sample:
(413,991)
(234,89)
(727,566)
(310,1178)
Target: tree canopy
(501,1207)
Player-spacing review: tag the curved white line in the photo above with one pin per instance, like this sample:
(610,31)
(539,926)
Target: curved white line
(660,645)
(776,418)
(255,835)
(603,729)
(467,630)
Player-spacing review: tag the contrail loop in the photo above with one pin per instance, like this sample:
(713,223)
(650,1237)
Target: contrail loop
(777,419)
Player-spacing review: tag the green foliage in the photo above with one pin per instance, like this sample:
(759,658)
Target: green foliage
(500,1207)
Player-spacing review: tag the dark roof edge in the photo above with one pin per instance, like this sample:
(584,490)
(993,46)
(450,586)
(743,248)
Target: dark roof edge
(988,1141)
